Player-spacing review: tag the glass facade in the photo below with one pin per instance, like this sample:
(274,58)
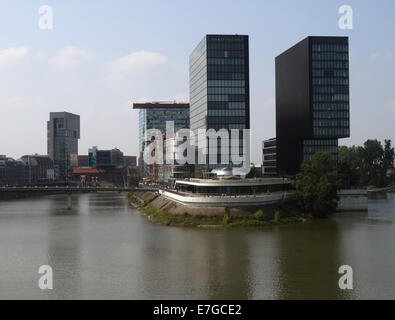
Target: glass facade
(269,157)
(63,134)
(156,118)
(330,95)
(330,87)
(219,88)
(311,146)
(312,100)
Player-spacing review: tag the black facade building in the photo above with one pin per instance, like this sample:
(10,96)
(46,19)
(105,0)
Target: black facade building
(219,90)
(269,157)
(312,100)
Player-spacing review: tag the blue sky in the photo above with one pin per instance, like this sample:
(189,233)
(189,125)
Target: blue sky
(101,55)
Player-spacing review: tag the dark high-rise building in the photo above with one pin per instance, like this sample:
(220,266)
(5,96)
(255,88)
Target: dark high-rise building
(63,133)
(312,100)
(219,89)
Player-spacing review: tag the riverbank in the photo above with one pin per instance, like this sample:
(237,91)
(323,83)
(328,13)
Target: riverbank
(163,211)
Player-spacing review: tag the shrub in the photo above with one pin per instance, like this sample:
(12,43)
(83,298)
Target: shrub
(226,219)
(259,215)
(277,216)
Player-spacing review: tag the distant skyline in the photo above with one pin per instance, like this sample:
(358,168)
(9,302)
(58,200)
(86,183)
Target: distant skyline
(101,56)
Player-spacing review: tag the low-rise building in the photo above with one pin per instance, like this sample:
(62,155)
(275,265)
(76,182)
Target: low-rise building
(40,169)
(83,161)
(91,176)
(269,157)
(12,172)
(105,158)
(232,186)
(129,161)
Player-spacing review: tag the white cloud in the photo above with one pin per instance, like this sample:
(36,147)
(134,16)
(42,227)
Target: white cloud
(136,61)
(114,79)
(12,55)
(69,57)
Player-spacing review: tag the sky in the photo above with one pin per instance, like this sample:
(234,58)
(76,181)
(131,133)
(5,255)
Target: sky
(101,56)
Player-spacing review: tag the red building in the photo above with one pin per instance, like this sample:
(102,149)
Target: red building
(90,176)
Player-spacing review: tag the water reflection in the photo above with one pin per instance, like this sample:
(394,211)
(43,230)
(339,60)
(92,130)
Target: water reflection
(104,249)
(310,259)
(187,263)
(64,240)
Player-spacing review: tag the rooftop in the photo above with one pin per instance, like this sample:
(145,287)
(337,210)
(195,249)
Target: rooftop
(235,182)
(160,104)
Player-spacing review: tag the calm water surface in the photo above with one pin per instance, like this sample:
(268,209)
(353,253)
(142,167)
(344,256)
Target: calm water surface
(104,249)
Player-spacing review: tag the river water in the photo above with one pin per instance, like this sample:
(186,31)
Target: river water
(104,249)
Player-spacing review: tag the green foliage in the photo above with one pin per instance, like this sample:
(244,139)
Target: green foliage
(367,165)
(226,219)
(389,157)
(350,165)
(255,172)
(259,215)
(277,216)
(316,186)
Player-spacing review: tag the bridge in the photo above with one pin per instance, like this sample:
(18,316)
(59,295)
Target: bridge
(389,188)
(69,190)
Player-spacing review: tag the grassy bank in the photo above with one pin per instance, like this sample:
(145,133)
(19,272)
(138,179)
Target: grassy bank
(144,203)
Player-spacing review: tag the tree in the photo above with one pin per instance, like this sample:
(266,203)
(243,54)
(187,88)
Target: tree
(373,157)
(367,165)
(350,166)
(255,172)
(389,156)
(316,186)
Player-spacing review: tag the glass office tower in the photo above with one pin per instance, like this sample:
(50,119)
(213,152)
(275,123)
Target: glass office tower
(154,116)
(312,100)
(63,134)
(219,90)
